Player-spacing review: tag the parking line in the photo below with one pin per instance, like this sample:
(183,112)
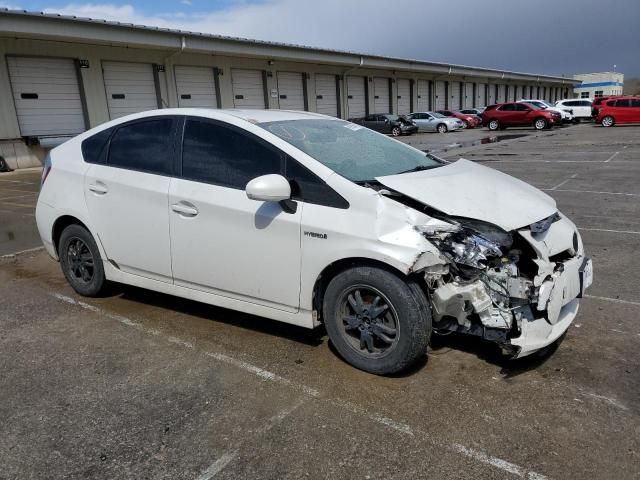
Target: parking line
(217,466)
(597,192)
(614,300)
(562,183)
(22,252)
(611,157)
(629,232)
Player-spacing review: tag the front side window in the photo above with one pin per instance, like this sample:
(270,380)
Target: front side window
(350,150)
(222,155)
(635,103)
(144,146)
(623,103)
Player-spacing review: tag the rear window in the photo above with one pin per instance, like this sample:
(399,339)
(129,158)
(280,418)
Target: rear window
(94,148)
(144,146)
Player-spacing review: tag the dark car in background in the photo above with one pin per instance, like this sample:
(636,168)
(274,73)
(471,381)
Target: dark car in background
(387,123)
(519,114)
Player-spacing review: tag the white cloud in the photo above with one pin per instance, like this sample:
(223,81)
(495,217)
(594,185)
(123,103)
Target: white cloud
(185,2)
(10,6)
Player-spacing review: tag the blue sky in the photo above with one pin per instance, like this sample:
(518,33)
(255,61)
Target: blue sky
(540,36)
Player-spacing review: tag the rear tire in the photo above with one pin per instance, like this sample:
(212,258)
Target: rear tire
(442,128)
(80,261)
(608,121)
(377,321)
(493,125)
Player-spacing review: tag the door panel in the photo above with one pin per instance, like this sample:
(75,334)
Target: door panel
(454,95)
(46,95)
(424,103)
(440,95)
(381,95)
(196,86)
(326,94)
(129,212)
(291,91)
(130,88)
(404,96)
(356,96)
(248,88)
(235,246)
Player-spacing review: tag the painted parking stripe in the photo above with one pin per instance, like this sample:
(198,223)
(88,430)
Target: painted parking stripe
(627,232)
(217,466)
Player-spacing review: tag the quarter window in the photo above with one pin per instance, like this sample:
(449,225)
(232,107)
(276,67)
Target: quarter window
(145,146)
(218,154)
(94,148)
(306,186)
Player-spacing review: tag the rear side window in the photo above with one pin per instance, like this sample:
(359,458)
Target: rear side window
(509,107)
(306,186)
(144,146)
(94,148)
(214,153)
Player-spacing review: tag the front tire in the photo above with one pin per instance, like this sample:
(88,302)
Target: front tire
(80,261)
(396,132)
(608,121)
(494,125)
(442,128)
(377,321)
(540,124)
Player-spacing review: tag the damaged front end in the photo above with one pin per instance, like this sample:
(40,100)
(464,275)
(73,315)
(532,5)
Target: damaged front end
(518,289)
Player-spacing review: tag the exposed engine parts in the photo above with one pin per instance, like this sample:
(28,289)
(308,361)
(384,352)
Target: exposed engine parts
(485,291)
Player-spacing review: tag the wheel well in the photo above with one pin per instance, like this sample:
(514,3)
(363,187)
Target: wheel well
(333,269)
(59,226)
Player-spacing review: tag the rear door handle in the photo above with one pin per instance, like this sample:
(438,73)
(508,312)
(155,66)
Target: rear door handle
(98,188)
(185,209)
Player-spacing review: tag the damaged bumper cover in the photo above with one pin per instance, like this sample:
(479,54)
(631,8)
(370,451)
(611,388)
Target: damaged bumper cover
(519,289)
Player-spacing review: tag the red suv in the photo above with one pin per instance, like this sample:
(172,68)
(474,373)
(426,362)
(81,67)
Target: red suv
(619,110)
(597,103)
(519,114)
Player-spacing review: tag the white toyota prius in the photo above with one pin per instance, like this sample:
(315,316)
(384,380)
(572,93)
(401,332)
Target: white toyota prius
(311,220)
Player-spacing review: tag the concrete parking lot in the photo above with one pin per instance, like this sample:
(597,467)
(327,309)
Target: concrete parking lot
(142,385)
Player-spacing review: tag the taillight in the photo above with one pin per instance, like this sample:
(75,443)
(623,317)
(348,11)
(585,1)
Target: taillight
(45,170)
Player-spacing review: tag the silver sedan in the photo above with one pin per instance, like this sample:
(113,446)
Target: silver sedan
(434,122)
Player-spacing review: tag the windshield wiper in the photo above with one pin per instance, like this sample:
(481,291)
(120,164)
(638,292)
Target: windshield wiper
(419,168)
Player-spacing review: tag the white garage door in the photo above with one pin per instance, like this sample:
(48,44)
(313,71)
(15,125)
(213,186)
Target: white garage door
(468,95)
(454,95)
(404,96)
(326,94)
(440,95)
(291,91)
(130,88)
(196,86)
(424,103)
(46,96)
(381,95)
(481,100)
(248,88)
(356,97)
(501,93)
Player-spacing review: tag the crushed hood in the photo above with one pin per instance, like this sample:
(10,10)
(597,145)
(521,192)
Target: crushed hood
(467,189)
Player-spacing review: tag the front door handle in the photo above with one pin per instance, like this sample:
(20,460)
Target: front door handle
(185,209)
(98,188)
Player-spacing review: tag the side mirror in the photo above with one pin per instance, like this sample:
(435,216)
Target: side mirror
(386,120)
(269,188)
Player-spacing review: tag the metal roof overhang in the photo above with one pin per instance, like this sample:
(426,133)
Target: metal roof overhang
(36,25)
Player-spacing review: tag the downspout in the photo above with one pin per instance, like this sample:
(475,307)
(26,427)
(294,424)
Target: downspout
(345,102)
(183,45)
